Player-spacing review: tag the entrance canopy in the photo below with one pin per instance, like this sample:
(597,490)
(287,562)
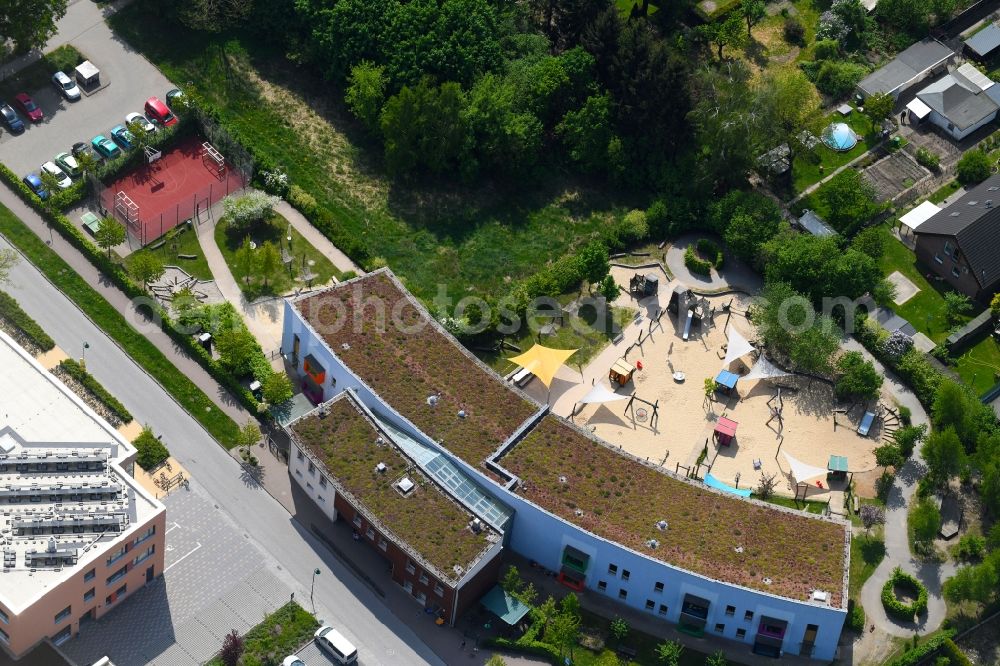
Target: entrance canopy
(918,108)
(919,215)
(543,362)
(803,471)
(764,369)
(601,393)
(504,606)
(736,346)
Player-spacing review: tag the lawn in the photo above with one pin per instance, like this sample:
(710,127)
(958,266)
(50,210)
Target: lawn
(471,240)
(644,645)
(807,169)
(866,554)
(819,508)
(38,74)
(184,242)
(943,192)
(282,633)
(275,230)
(979,366)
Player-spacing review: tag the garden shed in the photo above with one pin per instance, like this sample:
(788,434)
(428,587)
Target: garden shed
(87,74)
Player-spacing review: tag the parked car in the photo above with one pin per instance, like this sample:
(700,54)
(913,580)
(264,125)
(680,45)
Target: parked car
(61,176)
(11,119)
(292,660)
(123,137)
(105,147)
(81,148)
(35,184)
(142,120)
(28,107)
(68,163)
(66,86)
(173,97)
(158,112)
(334,643)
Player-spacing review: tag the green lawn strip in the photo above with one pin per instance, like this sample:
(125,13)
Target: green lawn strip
(806,168)
(644,644)
(275,230)
(282,633)
(625,6)
(96,389)
(943,192)
(866,554)
(38,74)
(811,506)
(979,365)
(142,351)
(185,242)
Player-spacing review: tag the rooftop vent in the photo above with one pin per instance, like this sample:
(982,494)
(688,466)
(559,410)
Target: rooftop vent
(405,485)
(766,580)
(738,549)
(461,413)
(562,478)
(661,525)
(432,400)
(653,543)
(820,595)
(579,513)
(345,346)
(380,467)
(379,440)
(476,525)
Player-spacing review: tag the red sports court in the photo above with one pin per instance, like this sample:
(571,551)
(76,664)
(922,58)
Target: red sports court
(171,188)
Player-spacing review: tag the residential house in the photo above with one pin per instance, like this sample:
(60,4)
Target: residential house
(959,103)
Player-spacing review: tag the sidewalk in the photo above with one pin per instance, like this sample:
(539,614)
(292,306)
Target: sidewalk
(81,265)
(316,238)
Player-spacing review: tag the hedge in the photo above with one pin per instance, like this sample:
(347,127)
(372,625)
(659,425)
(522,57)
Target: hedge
(150,450)
(855,616)
(954,653)
(922,651)
(11,310)
(77,372)
(537,648)
(710,249)
(897,608)
(696,264)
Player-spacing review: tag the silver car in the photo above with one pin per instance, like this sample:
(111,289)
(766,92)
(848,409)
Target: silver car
(142,120)
(66,86)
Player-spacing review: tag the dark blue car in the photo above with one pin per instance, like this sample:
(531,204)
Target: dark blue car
(122,137)
(35,184)
(11,119)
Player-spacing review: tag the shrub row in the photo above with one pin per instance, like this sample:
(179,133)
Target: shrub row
(954,653)
(920,653)
(696,264)
(897,608)
(855,617)
(11,310)
(532,647)
(150,451)
(77,372)
(911,366)
(144,352)
(712,251)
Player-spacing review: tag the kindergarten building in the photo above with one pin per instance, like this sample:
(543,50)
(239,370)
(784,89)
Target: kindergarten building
(428,414)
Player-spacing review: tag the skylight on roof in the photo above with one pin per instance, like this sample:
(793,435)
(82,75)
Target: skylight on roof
(405,485)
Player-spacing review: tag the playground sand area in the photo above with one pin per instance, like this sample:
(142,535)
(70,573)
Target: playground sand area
(685,423)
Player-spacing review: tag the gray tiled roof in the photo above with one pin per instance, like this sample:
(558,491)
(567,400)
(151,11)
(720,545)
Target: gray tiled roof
(985,40)
(909,64)
(958,100)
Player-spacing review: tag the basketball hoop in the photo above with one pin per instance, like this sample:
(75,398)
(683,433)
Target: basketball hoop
(152,154)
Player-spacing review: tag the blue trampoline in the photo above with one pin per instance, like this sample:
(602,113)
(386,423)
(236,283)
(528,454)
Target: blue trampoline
(839,137)
(713,482)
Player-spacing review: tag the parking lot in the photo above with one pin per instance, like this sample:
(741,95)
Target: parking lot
(132,80)
(313,656)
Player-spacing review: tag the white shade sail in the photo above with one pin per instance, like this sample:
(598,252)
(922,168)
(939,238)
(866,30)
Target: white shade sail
(601,393)
(764,369)
(736,346)
(803,471)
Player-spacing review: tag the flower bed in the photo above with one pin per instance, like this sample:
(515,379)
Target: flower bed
(895,607)
(14,316)
(99,393)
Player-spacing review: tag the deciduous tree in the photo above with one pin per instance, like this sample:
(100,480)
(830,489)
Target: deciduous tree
(145,267)
(851,201)
(30,26)
(276,389)
(237,348)
(974,167)
(944,455)
(871,515)
(878,107)
(366,90)
(752,11)
(109,234)
(8,259)
(268,260)
(888,455)
(857,378)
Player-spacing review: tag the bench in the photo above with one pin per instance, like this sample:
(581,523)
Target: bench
(157,245)
(187,256)
(521,377)
(856,504)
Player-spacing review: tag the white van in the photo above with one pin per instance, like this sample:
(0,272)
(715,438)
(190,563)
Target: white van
(333,642)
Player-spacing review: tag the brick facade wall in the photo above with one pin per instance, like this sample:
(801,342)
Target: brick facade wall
(931,249)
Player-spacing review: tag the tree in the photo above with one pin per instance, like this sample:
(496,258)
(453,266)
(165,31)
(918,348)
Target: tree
(253,207)
(232,649)
(268,260)
(426,127)
(609,288)
(888,455)
(725,32)
(944,455)
(717,658)
(51,185)
(812,349)
(248,435)
(837,78)
(145,267)
(276,389)
(619,629)
(511,581)
(766,485)
(790,101)
(506,137)
(952,409)
(570,606)
(547,612)
(30,28)
(870,241)
(872,515)
(564,632)
(594,262)
(752,11)
(909,17)
(87,162)
(878,107)
(110,233)
(214,15)
(8,259)
(925,521)
(669,653)
(237,348)
(956,306)
(746,234)
(858,378)
(245,258)
(141,139)
(995,305)
(851,200)
(977,583)
(587,132)
(974,167)
(366,91)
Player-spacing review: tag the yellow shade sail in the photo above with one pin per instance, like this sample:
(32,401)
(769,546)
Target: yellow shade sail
(543,362)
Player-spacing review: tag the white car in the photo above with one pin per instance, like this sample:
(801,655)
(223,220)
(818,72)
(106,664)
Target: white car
(292,660)
(61,176)
(142,120)
(334,643)
(66,86)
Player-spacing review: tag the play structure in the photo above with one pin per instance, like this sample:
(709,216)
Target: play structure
(641,286)
(641,414)
(695,310)
(776,404)
(725,382)
(621,372)
(725,431)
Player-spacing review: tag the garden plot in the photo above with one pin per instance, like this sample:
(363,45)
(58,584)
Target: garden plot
(893,175)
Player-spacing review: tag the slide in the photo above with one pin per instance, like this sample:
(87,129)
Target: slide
(687,325)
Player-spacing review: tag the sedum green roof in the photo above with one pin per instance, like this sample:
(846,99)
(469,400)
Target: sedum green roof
(619,497)
(344,442)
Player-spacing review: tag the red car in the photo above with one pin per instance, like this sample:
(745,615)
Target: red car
(28,106)
(158,112)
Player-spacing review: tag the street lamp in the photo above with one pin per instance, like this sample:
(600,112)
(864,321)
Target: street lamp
(313,589)
(83,356)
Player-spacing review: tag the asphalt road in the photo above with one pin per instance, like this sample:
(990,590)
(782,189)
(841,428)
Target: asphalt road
(341,599)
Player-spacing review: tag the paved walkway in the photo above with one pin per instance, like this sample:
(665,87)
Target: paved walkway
(815,186)
(734,274)
(316,238)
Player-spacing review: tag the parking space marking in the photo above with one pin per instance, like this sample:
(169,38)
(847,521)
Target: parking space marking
(175,525)
(191,552)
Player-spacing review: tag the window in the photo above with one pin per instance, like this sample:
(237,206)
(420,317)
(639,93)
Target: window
(115,596)
(622,593)
(63,636)
(4,636)
(613,569)
(370,533)
(937,258)
(663,609)
(382,543)
(117,555)
(747,616)
(625,574)
(312,468)
(730,611)
(117,576)
(438,590)
(145,535)
(658,588)
(423,578)
(309,486)
(298,454)
(741,633)
(357,520)
(146,554)
(63,614)
(602,586)
(6,619)
(948,249)
(410,568)
(408,586)
(421,597)
(719,627)
(89,576)
(956,272)
(89,595)
(322,482)
(650,604)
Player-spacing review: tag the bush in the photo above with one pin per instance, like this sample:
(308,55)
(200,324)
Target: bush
(907,437)
(974,167)
(838,79)
(827,49)
(955,655)
(302,200)
(695,264)
(150,450)
(11,310)
(920,653)
(247,209)
(534,647)
(897,608)
(712,251)
(855,617)
(795,32)
(970,547)
(928,159)
(76,371)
